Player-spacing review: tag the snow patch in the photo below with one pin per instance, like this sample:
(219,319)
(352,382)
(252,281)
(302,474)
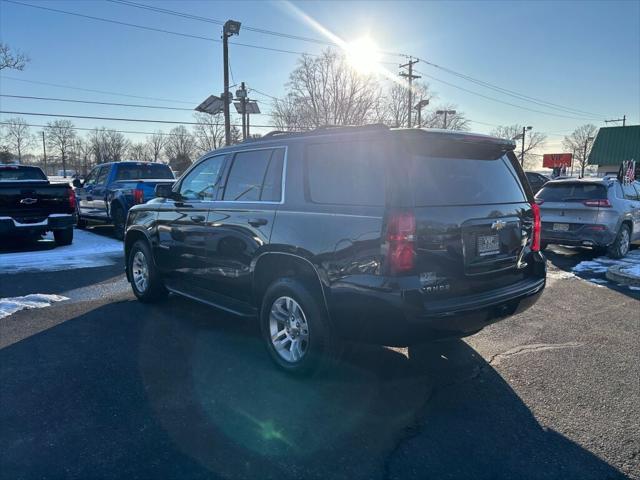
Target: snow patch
(590,269)
(87,250)
(12,305)
(559,274)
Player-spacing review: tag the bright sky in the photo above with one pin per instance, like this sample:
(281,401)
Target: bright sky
(579,54)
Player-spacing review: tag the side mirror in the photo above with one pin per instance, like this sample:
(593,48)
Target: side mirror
(164,190)
(77,182)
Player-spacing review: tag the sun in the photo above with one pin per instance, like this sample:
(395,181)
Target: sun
(363,55)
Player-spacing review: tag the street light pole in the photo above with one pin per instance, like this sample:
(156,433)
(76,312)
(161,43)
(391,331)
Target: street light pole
(230,28)
(445,113)
(419,106)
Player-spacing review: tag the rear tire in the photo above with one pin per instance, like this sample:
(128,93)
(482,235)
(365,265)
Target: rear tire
(63,237)
(296,329)
(146,282)
(82,223)
(620,246)
(119,218)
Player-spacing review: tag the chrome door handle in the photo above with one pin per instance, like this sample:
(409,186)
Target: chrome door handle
(197,218)
(257,222)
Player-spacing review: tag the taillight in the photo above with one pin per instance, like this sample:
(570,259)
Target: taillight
(602,203)
(537,228)
(401,233)
(138,196)
(72,198)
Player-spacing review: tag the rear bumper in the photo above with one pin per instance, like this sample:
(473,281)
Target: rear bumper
(584,235)
(394,318)
(56,221)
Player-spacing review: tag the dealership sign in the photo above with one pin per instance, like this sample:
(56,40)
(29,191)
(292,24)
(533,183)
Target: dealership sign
(553,160)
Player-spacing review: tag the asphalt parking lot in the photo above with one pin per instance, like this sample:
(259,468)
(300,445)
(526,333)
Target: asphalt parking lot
(98,385)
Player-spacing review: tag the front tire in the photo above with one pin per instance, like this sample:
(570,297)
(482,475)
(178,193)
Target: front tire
(296,329)
(63,237)
(620,246)
(145,279)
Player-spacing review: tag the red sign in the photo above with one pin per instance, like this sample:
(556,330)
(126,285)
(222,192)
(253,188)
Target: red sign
(553,160)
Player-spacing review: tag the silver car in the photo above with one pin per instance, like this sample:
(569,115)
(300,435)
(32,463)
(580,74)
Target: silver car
(596,212)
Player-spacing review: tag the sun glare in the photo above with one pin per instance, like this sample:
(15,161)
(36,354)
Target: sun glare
(363,55)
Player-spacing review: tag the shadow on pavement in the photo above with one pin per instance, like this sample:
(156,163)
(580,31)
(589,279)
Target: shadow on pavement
(179,391)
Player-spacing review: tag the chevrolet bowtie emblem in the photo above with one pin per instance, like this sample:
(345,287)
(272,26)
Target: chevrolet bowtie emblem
(498,225)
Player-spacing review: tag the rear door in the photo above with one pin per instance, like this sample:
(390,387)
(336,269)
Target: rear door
(241,221)
(473,219)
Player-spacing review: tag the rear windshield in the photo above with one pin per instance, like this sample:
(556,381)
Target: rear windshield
(143,172)
(12,174)
(438,181)
(572,192)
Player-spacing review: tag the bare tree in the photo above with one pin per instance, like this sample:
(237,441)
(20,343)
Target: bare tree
(60,136)
(579,143)
(139,152)
(533,141)
(18,136)
(326,90)
(156,144)
(108,145)
(180,148)
(83,150)
(12,59)
(208,132)
(393,108)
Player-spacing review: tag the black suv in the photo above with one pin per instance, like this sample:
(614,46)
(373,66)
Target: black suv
(359,233)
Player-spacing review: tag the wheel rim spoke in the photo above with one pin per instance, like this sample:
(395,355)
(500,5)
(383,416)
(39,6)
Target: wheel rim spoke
(288,329)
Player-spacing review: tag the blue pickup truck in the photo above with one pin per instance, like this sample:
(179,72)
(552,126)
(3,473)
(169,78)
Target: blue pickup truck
(111,189)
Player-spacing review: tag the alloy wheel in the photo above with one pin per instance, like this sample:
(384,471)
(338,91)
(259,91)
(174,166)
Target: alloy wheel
(288,329)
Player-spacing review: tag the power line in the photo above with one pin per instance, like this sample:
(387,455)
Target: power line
(502,101)
(244,27)
(116,119)
(154,29)
(135,105)
(97,91)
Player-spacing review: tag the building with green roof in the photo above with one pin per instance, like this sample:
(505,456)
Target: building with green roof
(613,145)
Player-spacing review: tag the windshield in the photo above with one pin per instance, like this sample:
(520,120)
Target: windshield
(144,172)
(572,192)
(14,174)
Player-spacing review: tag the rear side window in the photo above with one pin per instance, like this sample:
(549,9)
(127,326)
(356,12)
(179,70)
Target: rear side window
(12,174)
(572,192)
(439,181)
(255,176)
(143,172)
(346,173)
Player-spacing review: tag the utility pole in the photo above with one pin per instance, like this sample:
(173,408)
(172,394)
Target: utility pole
(410,77)
(230,28)
(623,120)
(242,95)
(44,148)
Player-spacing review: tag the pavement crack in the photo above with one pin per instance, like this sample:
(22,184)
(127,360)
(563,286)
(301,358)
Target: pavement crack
(534,347)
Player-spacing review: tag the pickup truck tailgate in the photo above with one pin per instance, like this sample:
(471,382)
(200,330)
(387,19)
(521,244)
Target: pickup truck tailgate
(33,202)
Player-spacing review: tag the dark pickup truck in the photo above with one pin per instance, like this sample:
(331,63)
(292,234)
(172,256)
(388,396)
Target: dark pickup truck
(30,206)
(111,189)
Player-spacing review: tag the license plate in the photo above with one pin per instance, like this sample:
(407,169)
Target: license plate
(488,245)
(560,227)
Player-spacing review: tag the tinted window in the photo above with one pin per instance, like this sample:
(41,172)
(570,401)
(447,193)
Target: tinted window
(91,178)
(629,192)
(143,171)
(346,173)
(102,175)
(464,181)
(9,174)
(255,176)
(572,192)
(201,182)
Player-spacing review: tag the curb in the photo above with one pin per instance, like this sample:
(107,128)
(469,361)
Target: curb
(615,274)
